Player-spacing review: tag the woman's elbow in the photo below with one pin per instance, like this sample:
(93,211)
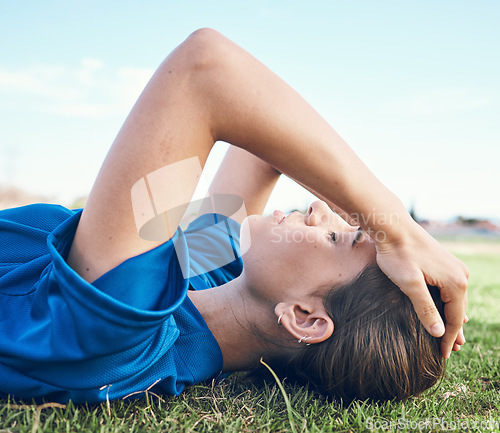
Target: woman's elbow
(204,49)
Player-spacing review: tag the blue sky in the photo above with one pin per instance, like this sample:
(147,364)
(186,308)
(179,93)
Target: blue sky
(413,87)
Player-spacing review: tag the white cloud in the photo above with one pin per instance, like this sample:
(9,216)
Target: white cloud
(86,74)
(35,81)
(79,109)
(90,63)
(90,89)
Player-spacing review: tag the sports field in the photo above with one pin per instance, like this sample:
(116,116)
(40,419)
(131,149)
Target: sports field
(468,399)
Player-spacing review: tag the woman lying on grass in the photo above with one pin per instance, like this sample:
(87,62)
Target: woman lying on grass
(95,304)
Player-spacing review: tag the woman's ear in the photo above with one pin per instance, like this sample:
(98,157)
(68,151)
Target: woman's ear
(306,323)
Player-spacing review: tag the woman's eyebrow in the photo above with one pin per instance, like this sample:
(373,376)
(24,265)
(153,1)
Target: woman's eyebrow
(358,235)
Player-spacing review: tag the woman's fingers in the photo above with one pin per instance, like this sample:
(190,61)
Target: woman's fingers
(460,337)
(454,312)
(425,307)
(454,295)
(452,333)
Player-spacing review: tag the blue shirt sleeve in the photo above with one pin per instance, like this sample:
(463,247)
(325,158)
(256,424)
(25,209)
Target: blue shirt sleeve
(213,242)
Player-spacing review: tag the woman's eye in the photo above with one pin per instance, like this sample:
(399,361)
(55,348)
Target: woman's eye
(331,235)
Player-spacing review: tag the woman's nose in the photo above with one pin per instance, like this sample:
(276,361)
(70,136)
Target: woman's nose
(319,213)
(316,213)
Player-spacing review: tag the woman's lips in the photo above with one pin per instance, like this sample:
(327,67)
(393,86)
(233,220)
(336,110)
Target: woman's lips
(278,216)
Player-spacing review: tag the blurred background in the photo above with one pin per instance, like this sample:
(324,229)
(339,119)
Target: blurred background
(413,87)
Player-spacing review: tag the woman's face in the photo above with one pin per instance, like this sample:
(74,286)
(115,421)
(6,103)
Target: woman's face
(302,254)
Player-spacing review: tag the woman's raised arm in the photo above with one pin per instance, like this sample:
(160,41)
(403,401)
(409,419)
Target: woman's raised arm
(209,89)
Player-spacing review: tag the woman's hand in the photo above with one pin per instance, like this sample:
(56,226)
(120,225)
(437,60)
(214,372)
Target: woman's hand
(413,259)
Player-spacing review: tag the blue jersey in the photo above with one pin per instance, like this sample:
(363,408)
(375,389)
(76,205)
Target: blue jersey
(63,338)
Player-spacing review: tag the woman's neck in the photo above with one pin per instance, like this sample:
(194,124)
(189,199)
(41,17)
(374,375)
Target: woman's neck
(234,318)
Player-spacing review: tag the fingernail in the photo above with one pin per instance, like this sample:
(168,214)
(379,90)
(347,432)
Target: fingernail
(437,329)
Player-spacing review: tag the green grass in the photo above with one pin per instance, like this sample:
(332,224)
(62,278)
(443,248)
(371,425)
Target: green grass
(470,392)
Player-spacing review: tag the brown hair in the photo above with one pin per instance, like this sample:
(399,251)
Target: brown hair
(378,350)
